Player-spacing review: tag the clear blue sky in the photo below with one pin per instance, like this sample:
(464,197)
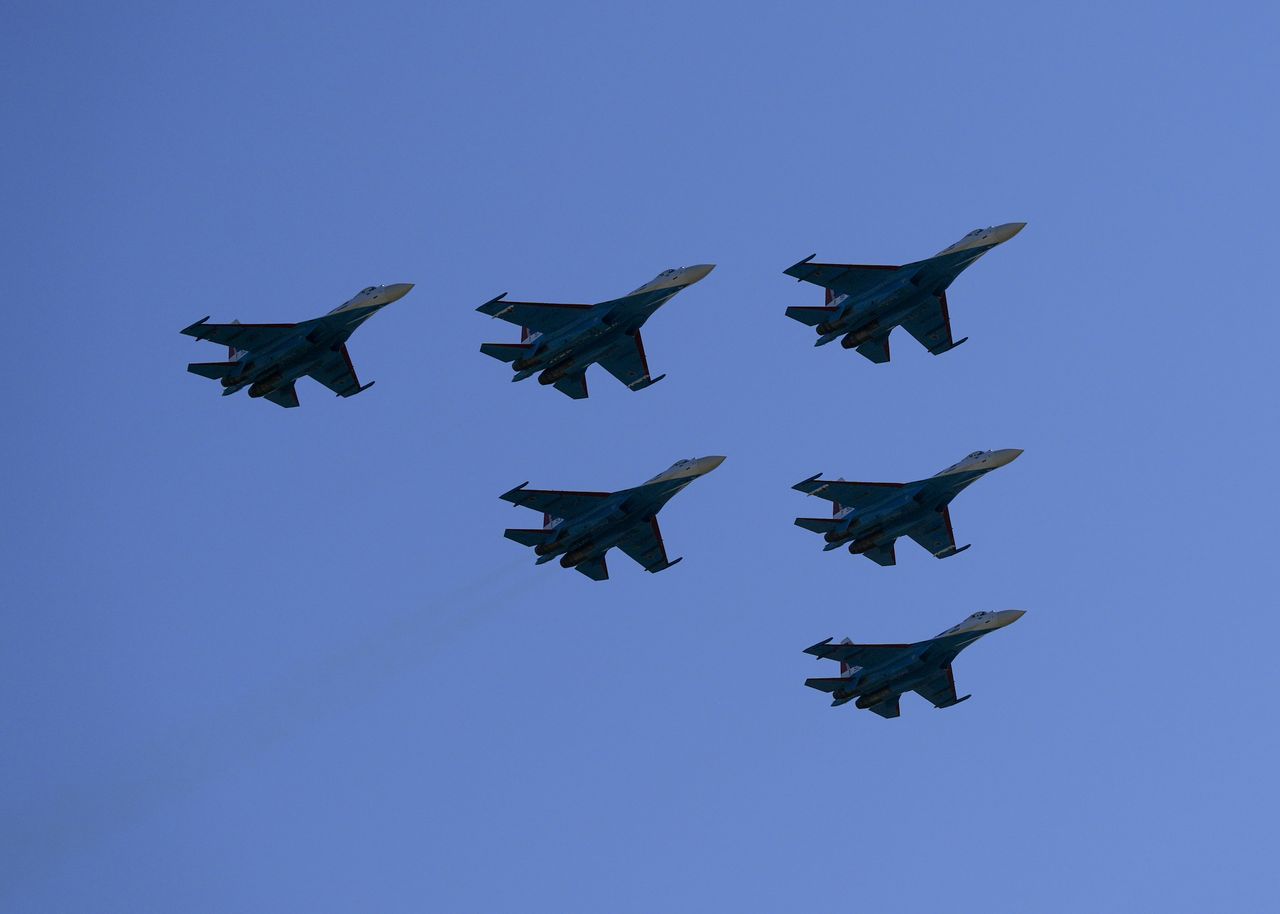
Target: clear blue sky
(258,660)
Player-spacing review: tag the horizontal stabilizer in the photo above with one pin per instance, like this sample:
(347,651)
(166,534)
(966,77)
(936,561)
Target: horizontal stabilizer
(505,352)
(827,684)
(215,370)
(285,395)
(597,569)
(818,524)
(888,708)
(573,386)
(876,350)
(530,537)
(883,555)
(810,316)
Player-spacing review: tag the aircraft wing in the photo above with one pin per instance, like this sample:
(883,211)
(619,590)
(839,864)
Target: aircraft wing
(859,654)
(554,502)
(338,374)
(940,690)
(239,336)
(845,278)
(849,494)
(536,315)
(625,361)
(644,544)
(935,535)
(931,325)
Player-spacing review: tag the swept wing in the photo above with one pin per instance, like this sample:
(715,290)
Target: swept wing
(644,544)
(853,279)
(941,689)
(543,317)
(239,336)
(337,373)
(626,362)
(554,502)
(931,325)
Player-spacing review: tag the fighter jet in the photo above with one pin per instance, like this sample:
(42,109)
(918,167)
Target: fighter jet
(581,527)
(870,516)
(865,302)
(559,342)
(269,358)
(878,674)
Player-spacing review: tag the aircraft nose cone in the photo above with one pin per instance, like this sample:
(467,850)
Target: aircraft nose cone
(399,289)
(1006,456)
(707,464)
(1010,616)
(698,272)
(1008,230)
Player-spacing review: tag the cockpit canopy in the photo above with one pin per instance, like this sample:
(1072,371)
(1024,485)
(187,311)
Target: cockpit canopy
(369,290)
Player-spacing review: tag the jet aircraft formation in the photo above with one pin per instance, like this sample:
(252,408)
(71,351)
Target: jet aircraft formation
(560,341)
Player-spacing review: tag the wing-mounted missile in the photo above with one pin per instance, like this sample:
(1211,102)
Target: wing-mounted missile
(646,382)
(665,565)
(951,550)
(493,308)
(359,390)
(196,334)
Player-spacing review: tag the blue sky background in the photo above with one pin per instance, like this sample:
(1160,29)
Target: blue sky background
(258,660)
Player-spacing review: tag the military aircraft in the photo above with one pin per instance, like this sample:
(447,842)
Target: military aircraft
(877,674)
(870,516)
(559,342)
(581,527)
(269,358)
(865,302)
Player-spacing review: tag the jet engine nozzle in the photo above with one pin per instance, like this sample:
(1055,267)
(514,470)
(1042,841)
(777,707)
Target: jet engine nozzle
(551,375)
(857,547)
(874,698)
(859,337)
(544,548)
(265,386)
(576,557)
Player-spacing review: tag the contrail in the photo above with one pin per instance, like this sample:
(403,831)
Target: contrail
(36,840)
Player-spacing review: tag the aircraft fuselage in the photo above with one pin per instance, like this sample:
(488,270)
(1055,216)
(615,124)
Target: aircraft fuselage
(899,511)
(594,533)
(861,317)
(271,367)
(577,346)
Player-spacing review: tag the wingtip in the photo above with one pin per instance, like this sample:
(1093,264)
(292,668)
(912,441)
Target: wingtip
(800,263)
(191,330)
(816,649)
(492,301)
(804,482)
(510,493)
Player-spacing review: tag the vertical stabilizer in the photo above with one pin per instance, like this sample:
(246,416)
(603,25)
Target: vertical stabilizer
(233,354)
(845,670)
(831,295)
